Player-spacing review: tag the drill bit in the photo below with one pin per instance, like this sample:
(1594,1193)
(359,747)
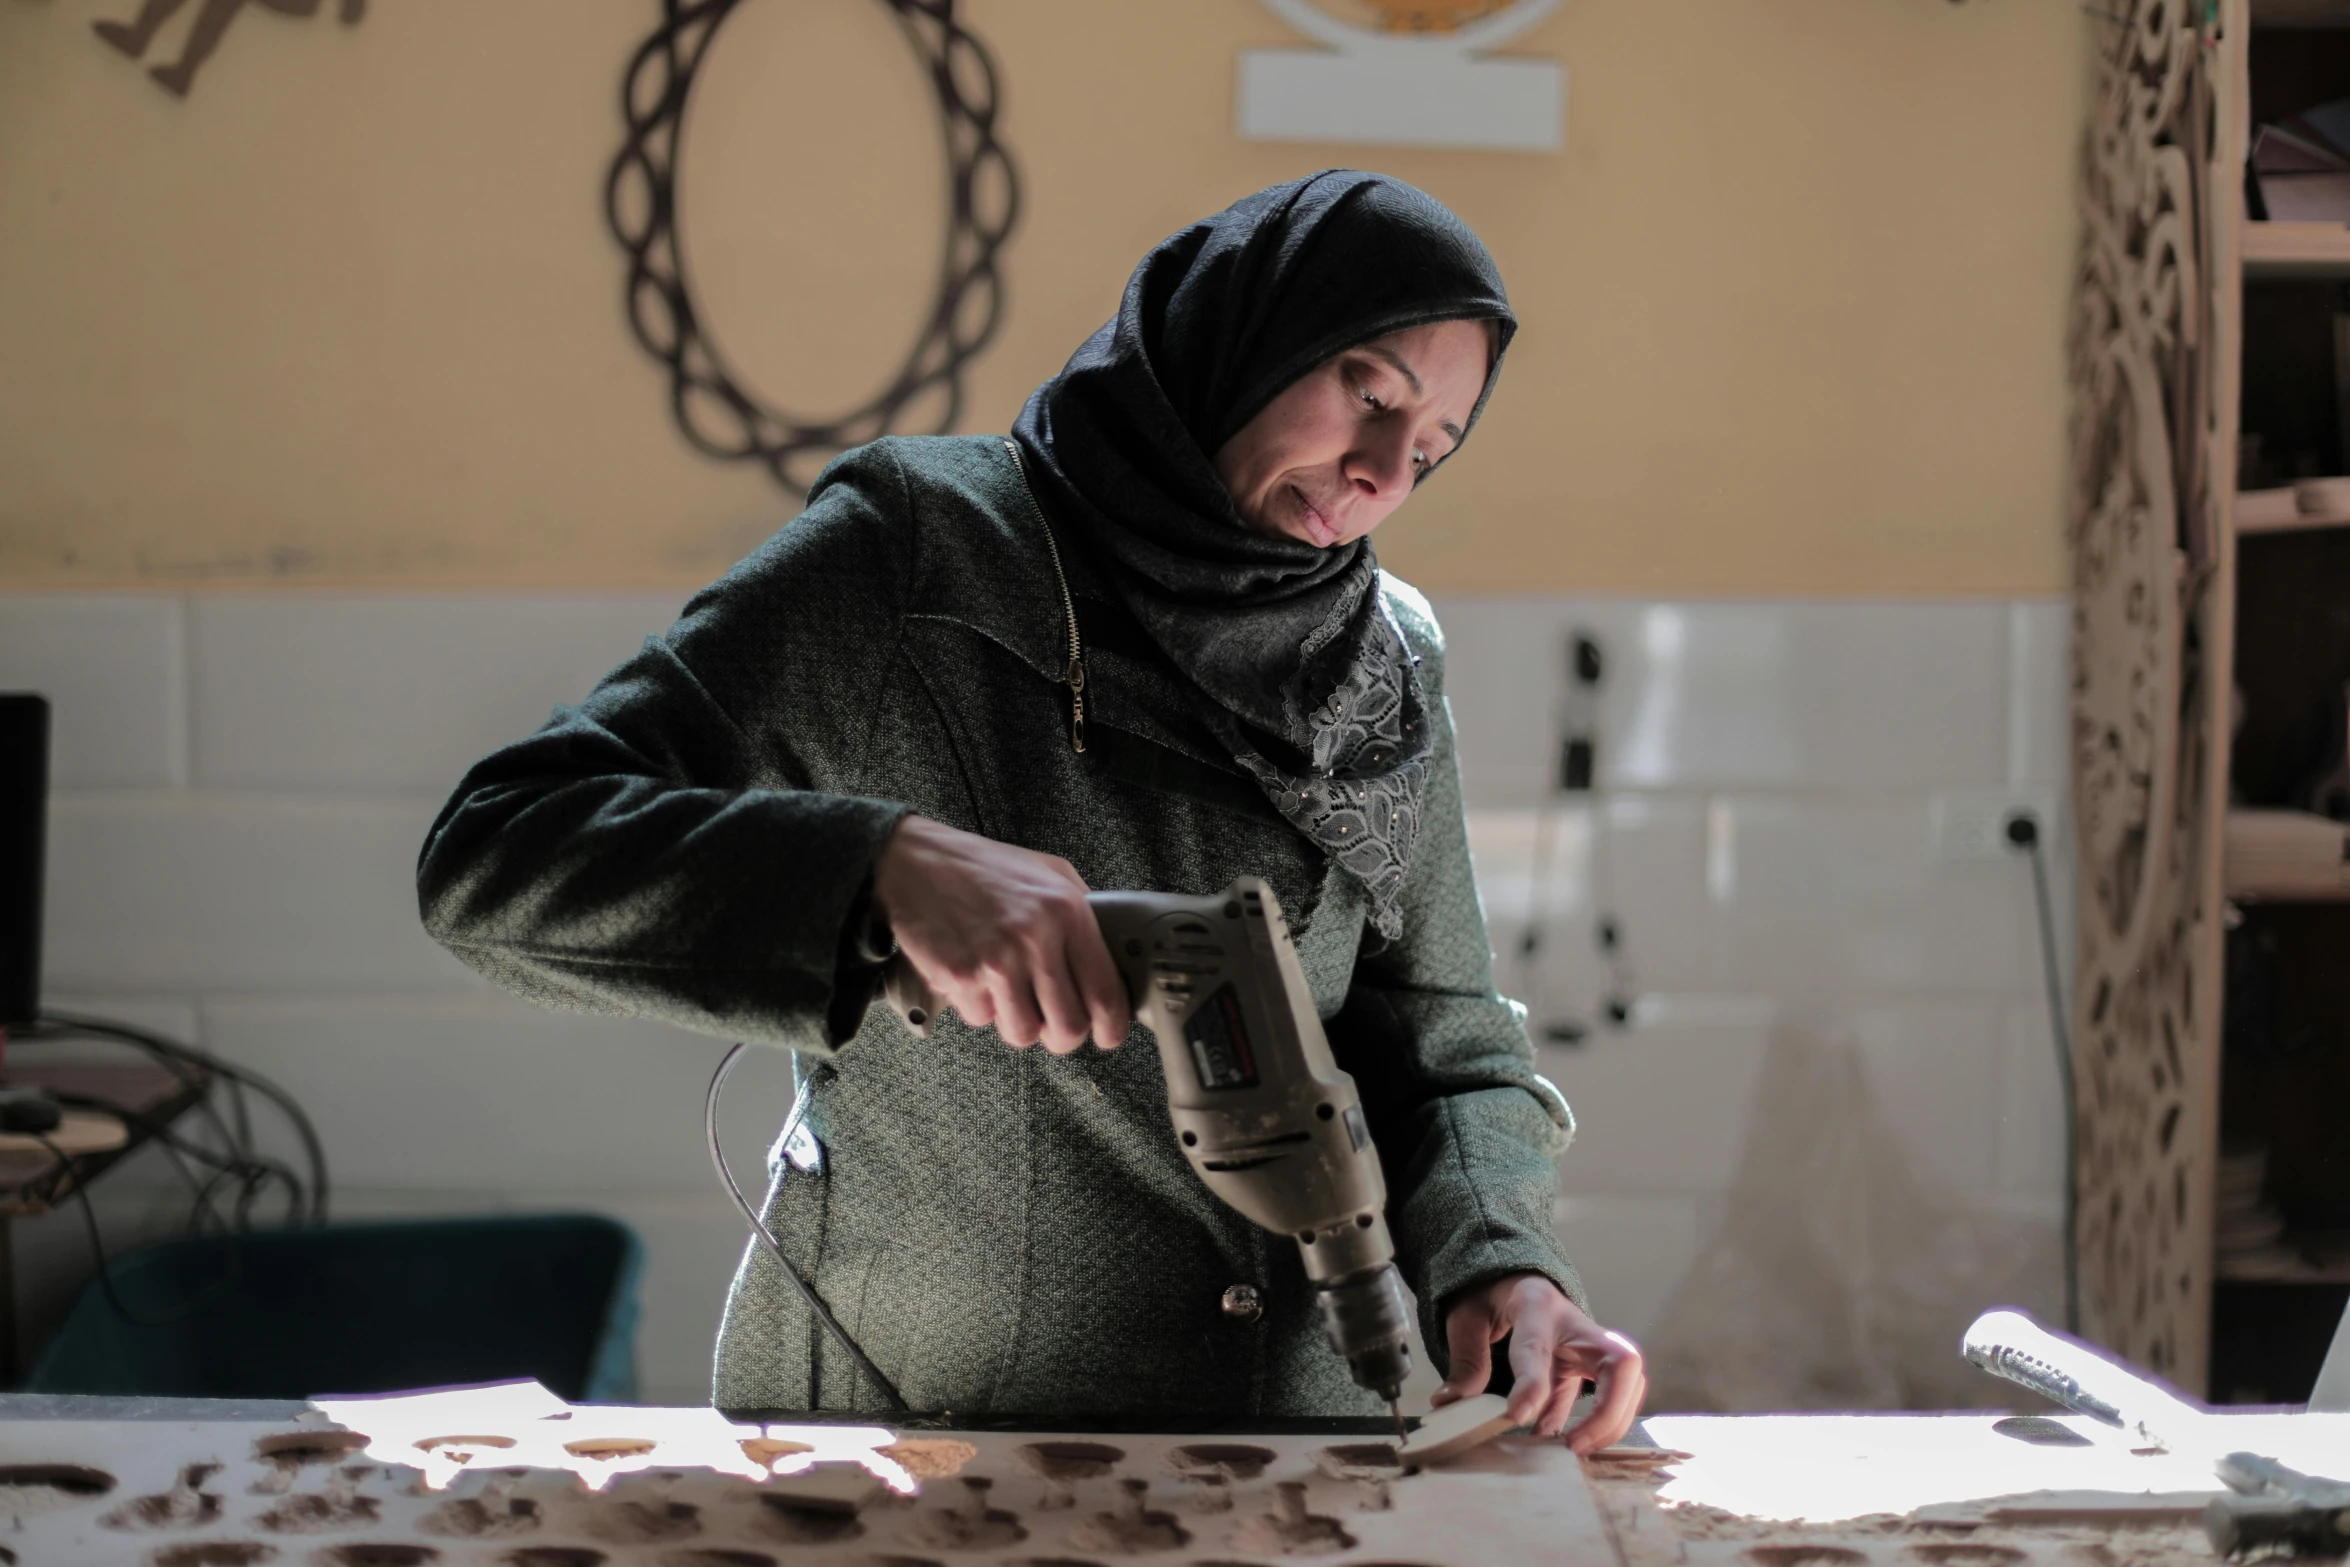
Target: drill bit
(1395,1408)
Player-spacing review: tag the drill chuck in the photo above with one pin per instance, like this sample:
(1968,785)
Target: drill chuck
(1370,1328)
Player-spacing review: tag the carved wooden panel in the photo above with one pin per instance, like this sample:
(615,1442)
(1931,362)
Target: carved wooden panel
(2144,535)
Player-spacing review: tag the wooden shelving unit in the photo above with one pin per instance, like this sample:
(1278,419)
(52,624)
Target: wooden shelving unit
(2300,522)
(2285,857)
(2295,250)
(2285,1033)
(2212,992)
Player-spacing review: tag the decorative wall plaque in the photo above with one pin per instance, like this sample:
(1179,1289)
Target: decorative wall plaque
(133,37)
(713,406)
(1406,75)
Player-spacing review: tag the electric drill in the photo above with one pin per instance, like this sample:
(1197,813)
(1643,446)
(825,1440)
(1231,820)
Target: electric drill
(1264,1114)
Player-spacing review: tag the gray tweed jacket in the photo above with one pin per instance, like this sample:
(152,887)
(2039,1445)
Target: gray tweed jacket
(1002,1231)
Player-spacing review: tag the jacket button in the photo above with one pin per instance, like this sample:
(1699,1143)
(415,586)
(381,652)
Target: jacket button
(1243,1304)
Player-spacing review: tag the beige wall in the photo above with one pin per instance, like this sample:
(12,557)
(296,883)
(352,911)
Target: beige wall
(1793,292)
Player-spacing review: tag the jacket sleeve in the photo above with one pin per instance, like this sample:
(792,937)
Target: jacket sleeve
(662,849)
(1468,1132)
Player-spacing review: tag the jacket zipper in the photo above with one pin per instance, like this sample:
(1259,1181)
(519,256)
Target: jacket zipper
(1074,677)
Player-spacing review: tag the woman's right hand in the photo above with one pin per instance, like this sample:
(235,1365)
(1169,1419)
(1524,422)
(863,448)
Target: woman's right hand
(1001,934)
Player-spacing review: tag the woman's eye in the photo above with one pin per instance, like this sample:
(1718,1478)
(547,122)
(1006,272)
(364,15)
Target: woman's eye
(1370,397)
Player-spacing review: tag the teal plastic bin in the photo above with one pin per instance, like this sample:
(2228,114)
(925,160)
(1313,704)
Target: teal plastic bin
(361,1308)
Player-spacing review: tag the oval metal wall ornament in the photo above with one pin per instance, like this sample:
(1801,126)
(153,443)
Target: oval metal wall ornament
(714,409)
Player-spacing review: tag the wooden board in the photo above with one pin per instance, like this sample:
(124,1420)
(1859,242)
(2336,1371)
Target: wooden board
(1446,1433)
(77,1132)
(291,1494)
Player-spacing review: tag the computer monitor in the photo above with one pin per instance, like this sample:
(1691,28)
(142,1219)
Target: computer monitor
(24,819)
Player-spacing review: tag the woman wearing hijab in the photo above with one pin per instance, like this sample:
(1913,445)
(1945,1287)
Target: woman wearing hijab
(1143,643)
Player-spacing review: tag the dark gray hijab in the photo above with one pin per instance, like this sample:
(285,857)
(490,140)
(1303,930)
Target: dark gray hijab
(1294,663)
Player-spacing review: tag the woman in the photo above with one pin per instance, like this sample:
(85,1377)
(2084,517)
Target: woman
(1144,644)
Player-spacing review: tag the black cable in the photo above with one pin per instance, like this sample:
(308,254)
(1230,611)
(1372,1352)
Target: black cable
(2023,831)
(105,1264)
(759,1228)
(244,1166)
(314,1152)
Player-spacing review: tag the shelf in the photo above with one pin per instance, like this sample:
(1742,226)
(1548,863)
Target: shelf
(2285,857)
(2266,519)
(2301,13)
(2295,250)
(2327,1263)
(2300,524)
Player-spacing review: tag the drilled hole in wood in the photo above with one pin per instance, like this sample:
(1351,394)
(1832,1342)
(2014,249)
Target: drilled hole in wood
(552,1556)
(488,1517)
(76,1482)
(1290,1530)
(187,1505)
(706,1556)
(643,1523)
(969,1524)
(1967,1555)
(1231,1460)
(1068,1460)
(764,1450)
(1804,1556)
(931,1457)
(318,1512)
(1131,1526)
(793,1522)
(215,1553)
(386,1553)
(604,1449)
(295,1449)
(462,1449)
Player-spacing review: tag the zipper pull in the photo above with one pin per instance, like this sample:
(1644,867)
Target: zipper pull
(1075,679)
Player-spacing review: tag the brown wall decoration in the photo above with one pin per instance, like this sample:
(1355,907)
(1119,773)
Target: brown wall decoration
(2147,384)
(212,22)
(717,412)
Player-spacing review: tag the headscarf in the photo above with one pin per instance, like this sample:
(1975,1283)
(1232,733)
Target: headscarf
(1294,664)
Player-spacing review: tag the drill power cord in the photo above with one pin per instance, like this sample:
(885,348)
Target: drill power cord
(799,1110)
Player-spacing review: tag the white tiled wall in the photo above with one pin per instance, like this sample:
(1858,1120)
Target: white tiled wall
(242,785)
(1769,774)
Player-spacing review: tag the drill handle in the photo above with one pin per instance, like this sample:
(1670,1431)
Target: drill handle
(909,995)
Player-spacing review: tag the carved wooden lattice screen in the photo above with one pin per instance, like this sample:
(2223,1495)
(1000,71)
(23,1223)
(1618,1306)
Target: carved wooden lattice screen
(2152,366)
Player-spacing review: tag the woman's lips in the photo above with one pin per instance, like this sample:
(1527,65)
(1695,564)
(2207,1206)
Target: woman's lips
(1319,529)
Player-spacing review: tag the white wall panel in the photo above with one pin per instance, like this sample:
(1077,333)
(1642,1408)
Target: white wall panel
(1830,894)
(1654,849)
(276,892)
(1631,1252)
(1760,695)
(2029,1147)
(1933,1072)
(2039,687)
(384,693)
(1664,1106)
(483,1093)
(111,668)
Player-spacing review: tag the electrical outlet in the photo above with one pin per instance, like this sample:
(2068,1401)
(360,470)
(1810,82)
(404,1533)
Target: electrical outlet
(1971,824)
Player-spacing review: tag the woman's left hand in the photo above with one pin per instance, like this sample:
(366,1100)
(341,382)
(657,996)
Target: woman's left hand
(1554,1346)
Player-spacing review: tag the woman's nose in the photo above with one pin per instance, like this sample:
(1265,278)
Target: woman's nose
(1382,466)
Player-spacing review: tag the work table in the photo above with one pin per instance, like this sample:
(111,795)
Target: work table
(515,1476)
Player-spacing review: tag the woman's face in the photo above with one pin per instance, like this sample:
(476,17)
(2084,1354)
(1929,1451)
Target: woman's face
(1329,458)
